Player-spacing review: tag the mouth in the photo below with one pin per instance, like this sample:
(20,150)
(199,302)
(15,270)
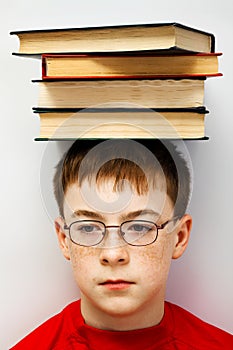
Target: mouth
(116,284)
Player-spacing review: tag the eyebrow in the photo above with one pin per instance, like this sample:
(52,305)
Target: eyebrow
(137,213)
(127,216)
(87,213)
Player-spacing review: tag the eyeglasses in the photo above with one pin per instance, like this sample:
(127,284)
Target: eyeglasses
(90,233)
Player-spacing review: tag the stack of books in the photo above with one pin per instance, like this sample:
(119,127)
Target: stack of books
(128,81)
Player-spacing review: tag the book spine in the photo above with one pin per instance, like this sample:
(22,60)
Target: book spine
(43,67)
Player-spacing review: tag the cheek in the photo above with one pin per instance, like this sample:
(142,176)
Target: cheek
(155,260)
(82,260)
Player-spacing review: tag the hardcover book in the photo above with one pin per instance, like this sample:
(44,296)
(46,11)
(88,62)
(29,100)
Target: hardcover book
(129,66)
(121,38)
(133,123)
(150,93)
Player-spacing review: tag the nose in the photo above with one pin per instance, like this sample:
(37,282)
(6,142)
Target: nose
(114,256)
(114,250)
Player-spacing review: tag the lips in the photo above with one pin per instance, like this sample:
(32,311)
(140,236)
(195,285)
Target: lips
(116,284)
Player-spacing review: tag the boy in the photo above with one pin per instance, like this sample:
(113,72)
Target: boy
(122,219)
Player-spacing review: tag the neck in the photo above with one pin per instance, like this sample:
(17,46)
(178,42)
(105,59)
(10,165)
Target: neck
(148,316)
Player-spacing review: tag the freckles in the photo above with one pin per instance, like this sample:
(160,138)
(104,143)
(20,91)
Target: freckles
(148,262)
(151,253)
(82,260)
(155,258)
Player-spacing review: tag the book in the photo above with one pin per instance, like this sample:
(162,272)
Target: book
(128,66)
(154,93)
(56,124)
(119,38)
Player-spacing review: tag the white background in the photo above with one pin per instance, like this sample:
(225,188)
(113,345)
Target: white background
(36,281)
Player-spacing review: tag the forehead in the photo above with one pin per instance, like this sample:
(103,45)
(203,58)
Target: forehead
(104,199)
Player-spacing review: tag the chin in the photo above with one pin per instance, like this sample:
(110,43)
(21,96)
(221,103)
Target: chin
(117,307)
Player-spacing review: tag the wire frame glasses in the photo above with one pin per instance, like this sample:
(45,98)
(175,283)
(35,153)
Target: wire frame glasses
(90,233)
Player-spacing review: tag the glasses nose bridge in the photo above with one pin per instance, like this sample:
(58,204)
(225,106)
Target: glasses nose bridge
(113,238)
(112,226)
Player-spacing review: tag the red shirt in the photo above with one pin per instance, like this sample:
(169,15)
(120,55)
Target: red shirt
(178,330)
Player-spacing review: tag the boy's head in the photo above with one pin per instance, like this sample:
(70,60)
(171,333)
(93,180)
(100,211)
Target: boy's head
(122,206)
(140,164)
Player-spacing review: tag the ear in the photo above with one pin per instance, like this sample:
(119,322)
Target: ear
(182,235)
(62,238)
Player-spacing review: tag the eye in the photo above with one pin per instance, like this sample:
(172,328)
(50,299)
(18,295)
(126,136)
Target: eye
(87,228)
(140,228)
(82,228)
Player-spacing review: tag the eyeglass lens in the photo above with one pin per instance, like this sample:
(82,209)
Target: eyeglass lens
(134,232)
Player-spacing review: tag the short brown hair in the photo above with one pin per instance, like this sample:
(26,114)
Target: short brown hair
(132,160)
